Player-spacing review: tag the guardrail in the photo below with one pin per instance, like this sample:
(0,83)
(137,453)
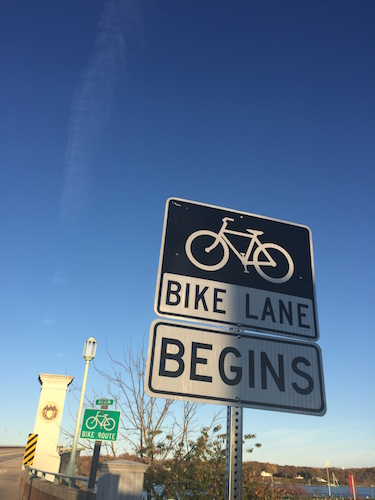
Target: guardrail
(36,484)
(59,478)
(119,480)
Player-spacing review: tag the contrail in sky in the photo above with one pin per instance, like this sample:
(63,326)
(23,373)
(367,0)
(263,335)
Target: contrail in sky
(91,105)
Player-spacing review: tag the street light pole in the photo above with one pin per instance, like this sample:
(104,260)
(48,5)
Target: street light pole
(89,354)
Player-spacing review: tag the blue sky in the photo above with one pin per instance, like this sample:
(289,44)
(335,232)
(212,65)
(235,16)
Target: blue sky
(111,107)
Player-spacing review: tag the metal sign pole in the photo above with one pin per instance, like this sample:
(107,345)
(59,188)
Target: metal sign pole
(94,465)
(233,458)
(95,460)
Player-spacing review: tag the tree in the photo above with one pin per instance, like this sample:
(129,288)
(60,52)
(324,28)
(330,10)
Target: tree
(184,462)
(196,470)
(149,426)
(143,418)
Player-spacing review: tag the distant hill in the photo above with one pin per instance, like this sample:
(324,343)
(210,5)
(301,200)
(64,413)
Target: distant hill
(288,474)
(364,476)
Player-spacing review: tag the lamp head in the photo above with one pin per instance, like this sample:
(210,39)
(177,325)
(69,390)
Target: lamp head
(90,349)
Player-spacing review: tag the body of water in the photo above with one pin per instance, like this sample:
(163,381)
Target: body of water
(341,491)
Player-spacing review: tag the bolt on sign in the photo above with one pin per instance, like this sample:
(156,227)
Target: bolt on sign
(29,455)
(100,425)
(227,368)
(235,268)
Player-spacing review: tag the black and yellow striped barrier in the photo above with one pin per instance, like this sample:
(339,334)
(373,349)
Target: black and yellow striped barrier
(28,458)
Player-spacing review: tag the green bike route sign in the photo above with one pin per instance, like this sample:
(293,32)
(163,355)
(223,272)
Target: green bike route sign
(100,425)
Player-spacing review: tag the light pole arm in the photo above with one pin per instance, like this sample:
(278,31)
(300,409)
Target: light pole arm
(71,467)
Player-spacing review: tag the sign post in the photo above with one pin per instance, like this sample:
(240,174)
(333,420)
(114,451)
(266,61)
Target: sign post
(95,457)
(233,455)
(251,274)
(100,425)
(94,465)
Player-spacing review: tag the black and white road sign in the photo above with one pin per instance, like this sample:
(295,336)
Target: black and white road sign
(227,368)
(234,268)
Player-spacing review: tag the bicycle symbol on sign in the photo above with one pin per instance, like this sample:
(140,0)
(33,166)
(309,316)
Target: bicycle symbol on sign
(101,419)
(262,260)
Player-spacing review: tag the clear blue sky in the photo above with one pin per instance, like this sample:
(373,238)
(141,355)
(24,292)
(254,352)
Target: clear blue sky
(108,108)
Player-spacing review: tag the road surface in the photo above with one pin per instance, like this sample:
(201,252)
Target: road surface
(10,471)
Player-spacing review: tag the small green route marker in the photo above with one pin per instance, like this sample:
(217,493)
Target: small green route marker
(104,402)
(100,425)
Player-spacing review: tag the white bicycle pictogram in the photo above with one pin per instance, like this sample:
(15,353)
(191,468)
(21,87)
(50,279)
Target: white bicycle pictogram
(101,419)
(261,257)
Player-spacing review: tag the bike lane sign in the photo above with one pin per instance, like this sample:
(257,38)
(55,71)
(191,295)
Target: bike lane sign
(235,268)
(100,425)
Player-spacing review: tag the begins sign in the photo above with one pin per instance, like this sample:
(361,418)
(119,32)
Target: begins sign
(100,425)
(234,268)
(228,368)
